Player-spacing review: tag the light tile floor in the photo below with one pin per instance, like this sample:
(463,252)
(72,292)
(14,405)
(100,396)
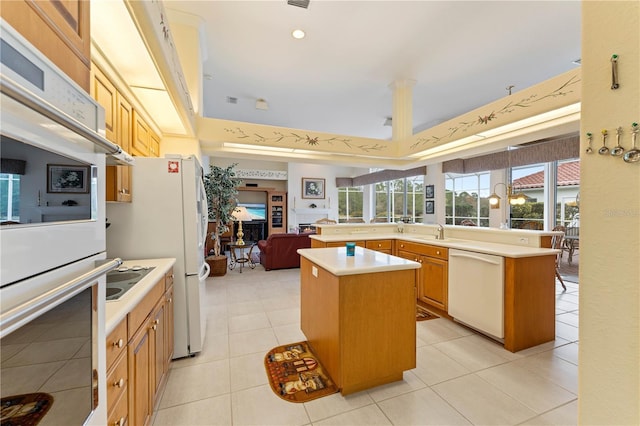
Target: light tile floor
(461,377)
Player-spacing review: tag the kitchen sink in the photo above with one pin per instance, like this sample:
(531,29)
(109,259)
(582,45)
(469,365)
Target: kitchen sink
(122,280)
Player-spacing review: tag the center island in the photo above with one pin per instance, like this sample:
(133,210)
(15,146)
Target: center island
(359,314)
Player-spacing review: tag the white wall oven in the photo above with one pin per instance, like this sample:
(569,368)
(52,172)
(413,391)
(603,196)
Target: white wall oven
(52,242)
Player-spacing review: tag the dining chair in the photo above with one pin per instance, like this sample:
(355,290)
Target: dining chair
(556,243)
(468,222)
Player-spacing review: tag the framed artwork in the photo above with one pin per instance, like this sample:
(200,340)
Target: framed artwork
(313,188)
(63,179)
(428,191)
(429,207)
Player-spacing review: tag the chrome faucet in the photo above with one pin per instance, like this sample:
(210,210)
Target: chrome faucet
(440,235)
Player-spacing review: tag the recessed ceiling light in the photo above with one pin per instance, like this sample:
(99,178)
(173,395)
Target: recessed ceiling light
(297,34)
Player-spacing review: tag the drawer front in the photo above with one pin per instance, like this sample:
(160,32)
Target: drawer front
(424,249)
(379,244)
(116,342)
(117,382)
(119,413)
(144,308)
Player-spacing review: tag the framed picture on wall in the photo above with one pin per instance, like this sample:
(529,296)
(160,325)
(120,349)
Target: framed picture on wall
(67,179)
(313,188)
(429,207)
(428,191)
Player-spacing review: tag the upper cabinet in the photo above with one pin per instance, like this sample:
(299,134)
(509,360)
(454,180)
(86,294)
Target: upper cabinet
(59,29)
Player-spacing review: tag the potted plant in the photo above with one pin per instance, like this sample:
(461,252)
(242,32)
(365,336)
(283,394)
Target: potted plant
(221,187)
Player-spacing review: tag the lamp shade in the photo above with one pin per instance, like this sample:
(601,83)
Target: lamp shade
(240,214)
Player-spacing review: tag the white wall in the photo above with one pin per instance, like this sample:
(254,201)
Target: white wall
(609,349)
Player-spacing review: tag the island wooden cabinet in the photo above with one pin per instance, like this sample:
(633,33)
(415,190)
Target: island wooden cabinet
(433,280)
(361,327)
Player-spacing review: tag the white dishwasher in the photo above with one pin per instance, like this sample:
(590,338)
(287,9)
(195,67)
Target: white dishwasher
(476,291)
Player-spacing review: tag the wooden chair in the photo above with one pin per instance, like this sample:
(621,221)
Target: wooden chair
(557,243)
(326,221)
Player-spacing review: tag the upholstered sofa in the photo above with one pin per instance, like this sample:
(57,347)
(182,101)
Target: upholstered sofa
(280,251)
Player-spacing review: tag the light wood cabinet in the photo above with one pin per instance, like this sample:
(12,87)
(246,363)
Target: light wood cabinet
(154,144)
(141,136)
(347,319)
(383,246)
(434,273)
(139,352)
(59,29)
(140,375)
(118,129)
(277,212)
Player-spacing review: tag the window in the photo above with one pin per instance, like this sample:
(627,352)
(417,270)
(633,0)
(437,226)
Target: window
(466,198)
(9,197)
(530,181)
(350,202)
(400,198)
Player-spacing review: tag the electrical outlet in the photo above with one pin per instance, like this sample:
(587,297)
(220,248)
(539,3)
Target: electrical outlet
(523,240)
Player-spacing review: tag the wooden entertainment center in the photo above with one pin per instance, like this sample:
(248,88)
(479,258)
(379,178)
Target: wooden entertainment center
(276,204)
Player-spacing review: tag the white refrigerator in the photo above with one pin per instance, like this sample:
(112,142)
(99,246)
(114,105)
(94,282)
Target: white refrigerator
(168,218)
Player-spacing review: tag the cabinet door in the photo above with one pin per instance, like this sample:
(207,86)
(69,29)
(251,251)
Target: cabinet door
(104,92)
(59,29)
(434,282)
(141,367)
(158,331)
(169,327)
(124,135)
(140,142)
(154,144)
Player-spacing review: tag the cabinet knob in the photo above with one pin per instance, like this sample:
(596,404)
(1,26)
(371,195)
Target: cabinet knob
(157,321)
(154,327)
(169,300)
(119,383)
(119,343)
(402,245)
(420,260)
(120,422)
(437,251)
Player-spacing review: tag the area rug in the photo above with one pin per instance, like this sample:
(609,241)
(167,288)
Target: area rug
(295,374)
(27,409)
(422,314)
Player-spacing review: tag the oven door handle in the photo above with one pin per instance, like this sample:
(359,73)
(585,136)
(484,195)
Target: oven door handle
(15,317)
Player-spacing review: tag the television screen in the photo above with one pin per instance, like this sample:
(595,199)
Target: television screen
(258,211)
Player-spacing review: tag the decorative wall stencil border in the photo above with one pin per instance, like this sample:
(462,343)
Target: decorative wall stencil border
(261,174)
(459,129)
(292,137)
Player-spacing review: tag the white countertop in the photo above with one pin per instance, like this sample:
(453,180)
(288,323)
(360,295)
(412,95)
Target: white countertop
(498,249)
(336,261)
(116,310)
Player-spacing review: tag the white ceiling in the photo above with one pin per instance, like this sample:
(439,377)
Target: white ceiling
(461,54)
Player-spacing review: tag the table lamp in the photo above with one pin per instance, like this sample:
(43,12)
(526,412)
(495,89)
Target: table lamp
(239,214)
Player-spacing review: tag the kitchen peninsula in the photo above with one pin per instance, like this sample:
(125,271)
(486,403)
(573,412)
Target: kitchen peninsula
(522,283)
(358,314)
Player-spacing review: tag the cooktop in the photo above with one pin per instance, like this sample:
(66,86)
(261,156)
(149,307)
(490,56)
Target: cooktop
(123,279)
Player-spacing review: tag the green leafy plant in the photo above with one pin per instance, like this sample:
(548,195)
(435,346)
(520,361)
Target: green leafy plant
(221,187)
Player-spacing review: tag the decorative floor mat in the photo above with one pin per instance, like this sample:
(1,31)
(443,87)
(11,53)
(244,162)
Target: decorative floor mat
(295,374)
(422,314)
(27,409)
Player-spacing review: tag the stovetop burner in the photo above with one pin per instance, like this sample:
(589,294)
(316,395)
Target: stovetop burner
(123,279)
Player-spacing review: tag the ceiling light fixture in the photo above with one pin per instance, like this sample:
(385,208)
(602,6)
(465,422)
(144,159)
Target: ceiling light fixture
(514,199)
(298,34)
